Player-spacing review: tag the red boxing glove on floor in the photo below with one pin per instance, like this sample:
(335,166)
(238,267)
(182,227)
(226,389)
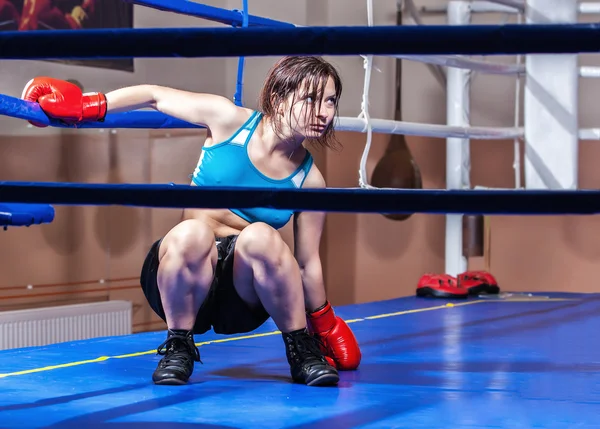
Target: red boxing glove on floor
(63,100)
(339,341)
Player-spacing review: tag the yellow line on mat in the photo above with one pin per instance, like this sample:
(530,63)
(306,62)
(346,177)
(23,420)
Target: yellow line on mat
(265,334)
(419,310)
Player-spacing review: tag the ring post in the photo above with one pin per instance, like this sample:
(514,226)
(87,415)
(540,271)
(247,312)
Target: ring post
(457,149)
(551,111)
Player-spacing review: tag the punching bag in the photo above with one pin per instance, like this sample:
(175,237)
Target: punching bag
(397,168)
(473,236)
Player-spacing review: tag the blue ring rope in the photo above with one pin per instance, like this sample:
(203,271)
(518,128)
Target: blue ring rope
(494,202)
(259,41)
(21,109)
(239,91)
(16,214)
(492,40)
(211,13)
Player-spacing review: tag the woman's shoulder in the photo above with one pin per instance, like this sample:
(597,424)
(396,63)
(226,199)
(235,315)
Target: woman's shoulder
(314,178)
(230,120)
(232,114)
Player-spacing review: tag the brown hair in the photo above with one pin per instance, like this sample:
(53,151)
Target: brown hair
(287,76)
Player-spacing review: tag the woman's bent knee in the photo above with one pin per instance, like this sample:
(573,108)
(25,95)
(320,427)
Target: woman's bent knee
(191,240)
(262,250)
(261,241)
(187,256)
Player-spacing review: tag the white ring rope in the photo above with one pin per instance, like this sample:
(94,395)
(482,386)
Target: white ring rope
(364,122)
(368,65)
(516,141)
(589,7)
(484,66)
(588,71)
(387,126)
(460,62)
(478,6)
(589,134)
(516,4)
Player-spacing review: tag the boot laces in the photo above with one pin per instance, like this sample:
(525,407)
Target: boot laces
(178,349)
(308,346)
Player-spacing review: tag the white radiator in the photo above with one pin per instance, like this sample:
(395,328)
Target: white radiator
(50,325)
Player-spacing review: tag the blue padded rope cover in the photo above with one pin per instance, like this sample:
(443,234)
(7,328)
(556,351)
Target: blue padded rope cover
(17,108)
(17,214)
(211,13)
(261,41)
(499,202)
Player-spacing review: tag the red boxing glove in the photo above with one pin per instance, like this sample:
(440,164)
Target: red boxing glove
(63,100)
(339,341)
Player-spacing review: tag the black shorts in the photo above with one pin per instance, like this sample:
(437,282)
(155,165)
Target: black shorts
(223,309)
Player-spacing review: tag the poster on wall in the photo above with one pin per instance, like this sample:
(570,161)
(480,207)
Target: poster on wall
(76,15)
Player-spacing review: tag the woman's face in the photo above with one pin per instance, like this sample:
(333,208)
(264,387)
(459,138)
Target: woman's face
(306,116)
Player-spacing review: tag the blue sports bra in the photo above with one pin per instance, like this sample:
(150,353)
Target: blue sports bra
(228,164)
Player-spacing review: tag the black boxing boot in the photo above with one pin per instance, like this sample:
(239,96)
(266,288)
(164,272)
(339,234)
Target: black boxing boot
(180,354)
(307,362)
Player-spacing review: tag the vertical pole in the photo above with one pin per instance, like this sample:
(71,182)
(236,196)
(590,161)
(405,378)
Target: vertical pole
(457,150)
(551,111)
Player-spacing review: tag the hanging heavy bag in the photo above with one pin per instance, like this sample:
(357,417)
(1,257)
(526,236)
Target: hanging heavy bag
(397,167)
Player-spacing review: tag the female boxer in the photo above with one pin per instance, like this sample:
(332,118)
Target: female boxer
(230,270)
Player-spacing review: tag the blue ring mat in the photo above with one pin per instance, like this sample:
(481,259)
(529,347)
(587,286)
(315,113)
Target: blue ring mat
(526,363)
